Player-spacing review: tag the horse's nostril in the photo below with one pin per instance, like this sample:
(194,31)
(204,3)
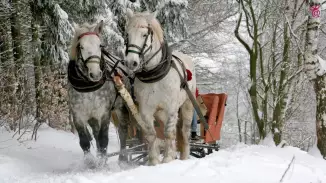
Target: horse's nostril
(91,75)
(135,64)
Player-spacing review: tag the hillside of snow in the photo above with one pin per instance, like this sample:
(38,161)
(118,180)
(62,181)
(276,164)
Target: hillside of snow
(57,157)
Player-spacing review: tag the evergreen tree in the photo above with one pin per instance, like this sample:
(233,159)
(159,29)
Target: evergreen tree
(171,14)
(39,32)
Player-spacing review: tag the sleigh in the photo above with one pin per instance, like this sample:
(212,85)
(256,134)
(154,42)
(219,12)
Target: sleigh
(212,108)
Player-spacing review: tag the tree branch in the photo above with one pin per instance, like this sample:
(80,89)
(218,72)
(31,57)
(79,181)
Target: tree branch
(287,169)
(237,35)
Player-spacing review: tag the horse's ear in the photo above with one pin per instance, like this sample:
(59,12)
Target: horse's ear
(99,28)
(76,26)
(152,16)
(129,13)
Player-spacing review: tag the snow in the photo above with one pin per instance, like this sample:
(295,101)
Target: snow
(60,12)
(183,2)
(64,32)
(268,141)
(321,70)
(57,157)
(203,60)
(314,151)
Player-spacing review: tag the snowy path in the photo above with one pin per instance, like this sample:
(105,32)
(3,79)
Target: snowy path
(57,157)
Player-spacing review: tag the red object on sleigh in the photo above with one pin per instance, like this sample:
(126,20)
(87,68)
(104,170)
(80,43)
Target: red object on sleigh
(189,75)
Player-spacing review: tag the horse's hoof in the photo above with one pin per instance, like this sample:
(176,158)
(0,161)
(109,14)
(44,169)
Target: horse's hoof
(101,161)
(153,162)
(184,157)
(123,165)
(123,158)
(167,159)
(90,161)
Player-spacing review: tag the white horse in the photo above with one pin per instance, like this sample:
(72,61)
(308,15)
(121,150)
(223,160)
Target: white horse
(157,85)
(92,95)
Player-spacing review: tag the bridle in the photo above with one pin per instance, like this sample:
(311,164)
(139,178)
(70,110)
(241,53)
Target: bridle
(79,54)
(104,66)
(79,80)
(141,51)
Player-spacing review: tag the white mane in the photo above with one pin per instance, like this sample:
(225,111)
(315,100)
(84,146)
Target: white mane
(142,20)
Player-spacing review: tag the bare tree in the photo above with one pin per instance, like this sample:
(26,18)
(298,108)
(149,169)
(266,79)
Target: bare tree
(275,60)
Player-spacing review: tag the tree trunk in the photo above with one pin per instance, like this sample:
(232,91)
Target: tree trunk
(37,64)
(8,101)
(16,36)
(253,54)
(320,89)
(238,116)
(18,55)
(278,114)
(315,73)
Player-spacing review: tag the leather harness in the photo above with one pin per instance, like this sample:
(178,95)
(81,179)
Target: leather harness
(162,69)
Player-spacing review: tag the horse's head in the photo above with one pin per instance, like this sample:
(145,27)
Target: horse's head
(86,50)
(144,37)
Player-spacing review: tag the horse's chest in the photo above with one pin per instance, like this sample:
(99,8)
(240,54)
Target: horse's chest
(163,94)
(93,104)
(156,94)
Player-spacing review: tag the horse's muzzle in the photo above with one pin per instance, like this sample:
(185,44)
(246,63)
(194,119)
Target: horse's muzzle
(95,76)
(94,70)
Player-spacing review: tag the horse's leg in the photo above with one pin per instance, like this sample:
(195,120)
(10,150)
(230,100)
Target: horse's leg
(170,136)
(84,141)
(179,134)
(83,133)
(150,135)
(187,115)
(100,132)
(103,136)
(94,123)
(123,118)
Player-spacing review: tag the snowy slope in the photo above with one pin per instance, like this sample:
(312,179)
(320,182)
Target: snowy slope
(57,157)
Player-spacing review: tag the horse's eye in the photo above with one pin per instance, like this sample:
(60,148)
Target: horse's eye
(145,35)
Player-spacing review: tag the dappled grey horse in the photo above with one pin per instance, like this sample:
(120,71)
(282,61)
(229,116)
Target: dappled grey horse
(92,94)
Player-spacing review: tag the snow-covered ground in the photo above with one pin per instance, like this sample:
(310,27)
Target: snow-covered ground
(57,157)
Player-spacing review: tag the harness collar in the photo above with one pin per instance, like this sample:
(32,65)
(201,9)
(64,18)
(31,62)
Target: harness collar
(161,70)
(80,82)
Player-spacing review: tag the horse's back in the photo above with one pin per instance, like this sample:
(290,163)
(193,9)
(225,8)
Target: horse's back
(189,64)
(187,60)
